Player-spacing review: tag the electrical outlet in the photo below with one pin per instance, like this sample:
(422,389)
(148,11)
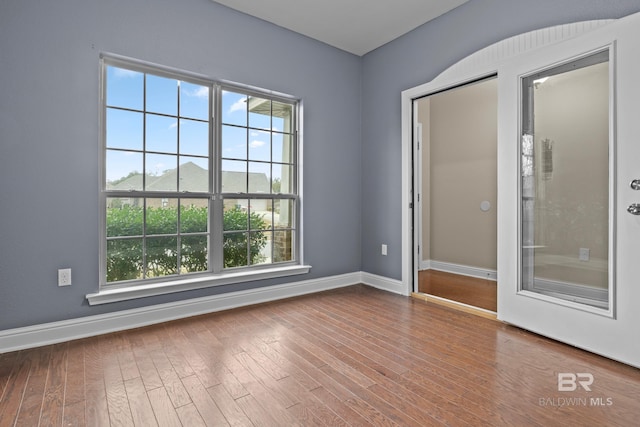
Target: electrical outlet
(384,249)
(583,254)
(64,277)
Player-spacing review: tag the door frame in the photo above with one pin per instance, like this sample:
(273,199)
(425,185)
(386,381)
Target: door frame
(479,65)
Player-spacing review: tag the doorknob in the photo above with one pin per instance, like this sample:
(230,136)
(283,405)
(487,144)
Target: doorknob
(635,184)
(634,209)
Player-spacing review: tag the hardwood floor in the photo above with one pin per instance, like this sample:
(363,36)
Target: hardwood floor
(468,290)
(355,356)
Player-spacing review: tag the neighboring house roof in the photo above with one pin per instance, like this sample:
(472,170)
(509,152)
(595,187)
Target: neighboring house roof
(235,182)
(194,178)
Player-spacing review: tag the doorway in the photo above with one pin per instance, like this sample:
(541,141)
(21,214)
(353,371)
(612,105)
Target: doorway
(540,289)
(457,164)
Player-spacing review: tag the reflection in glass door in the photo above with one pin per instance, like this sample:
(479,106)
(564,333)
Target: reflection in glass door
(565,182)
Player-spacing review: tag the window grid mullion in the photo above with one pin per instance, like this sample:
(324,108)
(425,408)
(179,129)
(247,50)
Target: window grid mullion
(216,221)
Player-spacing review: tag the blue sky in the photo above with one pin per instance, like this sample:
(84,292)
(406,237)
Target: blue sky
(125,129)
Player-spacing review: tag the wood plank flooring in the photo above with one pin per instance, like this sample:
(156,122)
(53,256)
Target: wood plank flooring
(480,293)
(355,356)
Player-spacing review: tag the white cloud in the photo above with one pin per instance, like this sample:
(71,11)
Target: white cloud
(201,92)
(257,143)
(239,105)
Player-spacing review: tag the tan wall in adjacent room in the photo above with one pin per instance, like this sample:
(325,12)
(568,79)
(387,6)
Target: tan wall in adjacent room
(459,172)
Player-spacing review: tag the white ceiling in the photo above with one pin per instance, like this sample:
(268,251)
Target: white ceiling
(357,26)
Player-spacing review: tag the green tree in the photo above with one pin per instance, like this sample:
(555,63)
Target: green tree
(236,237)
(125,260)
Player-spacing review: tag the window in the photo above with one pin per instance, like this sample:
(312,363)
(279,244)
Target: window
(199,177)
(565,186)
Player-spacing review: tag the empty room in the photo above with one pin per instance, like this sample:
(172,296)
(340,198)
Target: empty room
(319,213)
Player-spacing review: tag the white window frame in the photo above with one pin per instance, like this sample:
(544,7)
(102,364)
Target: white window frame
(216,274)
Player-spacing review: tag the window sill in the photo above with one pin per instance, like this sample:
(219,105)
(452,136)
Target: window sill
(141,291)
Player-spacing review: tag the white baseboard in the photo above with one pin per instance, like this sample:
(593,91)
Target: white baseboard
(465,270)
(67,330)
(384,283)
(425,264)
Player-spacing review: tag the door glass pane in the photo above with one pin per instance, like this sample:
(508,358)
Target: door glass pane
(565,181)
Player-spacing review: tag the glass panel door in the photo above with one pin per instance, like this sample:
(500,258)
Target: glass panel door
(566,180)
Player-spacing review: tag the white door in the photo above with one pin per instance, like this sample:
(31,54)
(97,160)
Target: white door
(568,149)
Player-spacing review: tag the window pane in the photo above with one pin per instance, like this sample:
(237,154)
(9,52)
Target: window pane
(263,207)
(161,134)
(282,178)
(565,181)
(259,113)
(194,137)
(259,217)
(124,88)
(162,174)
(236,214)
(282,151)
(162,216)
(194,174)
(194,216)
(194,251)
(124,129)
(124,216)
(124,259)
(234,142)
(194,101)
(234,176)
(234,108)
(259,177)
(283,213)
(124,170)
(161,256)
(235,249)
(282,117)
(282,246)
(259,145)
(261,245)
(162,95)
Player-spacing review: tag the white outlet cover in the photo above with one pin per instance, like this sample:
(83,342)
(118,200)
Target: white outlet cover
(584,254)
(64,277)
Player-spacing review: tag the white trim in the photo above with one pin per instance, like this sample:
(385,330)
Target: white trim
(481,64)
(585,298)
(67,330)
(105,296)
(384,283)
(464,270)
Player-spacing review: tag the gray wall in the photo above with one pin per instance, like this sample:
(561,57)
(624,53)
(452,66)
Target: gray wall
(49,64)
(49,126)
(417,58)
